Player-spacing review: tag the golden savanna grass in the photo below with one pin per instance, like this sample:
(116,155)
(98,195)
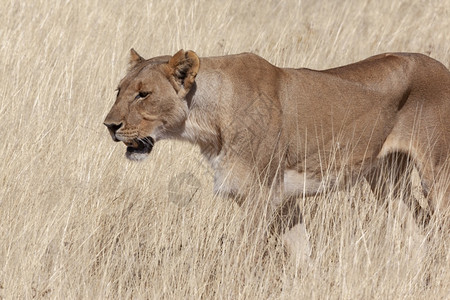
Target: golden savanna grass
(78,220)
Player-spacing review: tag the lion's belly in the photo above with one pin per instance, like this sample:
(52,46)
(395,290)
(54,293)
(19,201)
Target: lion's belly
(307,184)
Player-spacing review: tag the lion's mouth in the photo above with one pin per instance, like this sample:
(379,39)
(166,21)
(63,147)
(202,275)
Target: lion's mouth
(139,149)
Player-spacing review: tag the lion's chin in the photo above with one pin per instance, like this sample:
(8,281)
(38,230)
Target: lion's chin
(140,149)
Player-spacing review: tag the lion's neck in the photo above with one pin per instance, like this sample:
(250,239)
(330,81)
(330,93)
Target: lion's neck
(201,128)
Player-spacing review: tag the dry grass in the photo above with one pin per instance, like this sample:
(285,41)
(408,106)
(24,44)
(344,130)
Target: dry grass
(77,220)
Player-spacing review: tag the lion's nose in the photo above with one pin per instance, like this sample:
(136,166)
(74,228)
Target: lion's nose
(113,127)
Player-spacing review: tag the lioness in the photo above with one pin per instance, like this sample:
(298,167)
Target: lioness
(294,131)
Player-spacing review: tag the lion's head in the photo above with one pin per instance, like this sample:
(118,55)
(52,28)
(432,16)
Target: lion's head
(151,101)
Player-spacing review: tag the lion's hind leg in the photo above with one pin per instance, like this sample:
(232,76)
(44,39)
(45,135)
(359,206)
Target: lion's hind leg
(391,183)
(435,176)
(391,178)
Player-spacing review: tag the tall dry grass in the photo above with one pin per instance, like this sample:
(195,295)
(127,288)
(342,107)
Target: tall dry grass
(77,220)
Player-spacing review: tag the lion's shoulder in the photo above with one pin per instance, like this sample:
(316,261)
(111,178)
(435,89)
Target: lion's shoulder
(245,59)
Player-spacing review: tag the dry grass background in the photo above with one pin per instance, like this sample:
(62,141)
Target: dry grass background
(77,220)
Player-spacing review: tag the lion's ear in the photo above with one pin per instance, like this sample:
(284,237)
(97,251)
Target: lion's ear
(182,70)
(135,58)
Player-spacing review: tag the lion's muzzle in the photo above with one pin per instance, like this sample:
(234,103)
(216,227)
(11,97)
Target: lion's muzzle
(112,128)
(137,148)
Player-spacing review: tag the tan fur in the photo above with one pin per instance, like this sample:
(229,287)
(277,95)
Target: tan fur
(297,131)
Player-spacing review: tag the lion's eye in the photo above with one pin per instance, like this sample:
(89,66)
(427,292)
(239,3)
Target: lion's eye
(142,95)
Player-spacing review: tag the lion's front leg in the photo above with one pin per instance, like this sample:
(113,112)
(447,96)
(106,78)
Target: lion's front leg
(267,210)
(232,182)
(235,180)
(288,223)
